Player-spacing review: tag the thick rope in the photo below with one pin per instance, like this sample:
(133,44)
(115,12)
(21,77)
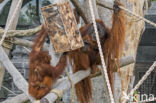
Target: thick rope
(36,101)
(59,93)
(127,97)
(10,22)
(104,70)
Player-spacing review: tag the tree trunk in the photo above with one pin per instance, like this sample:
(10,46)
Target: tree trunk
(134,31)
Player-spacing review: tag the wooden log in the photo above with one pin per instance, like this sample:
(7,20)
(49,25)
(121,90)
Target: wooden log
(65,85)
(59,82)
(87,10)
(18,79)
(12,10)
(132,38)
(125,61)
(130,87)
(80,10)
(105,14)
(17,99)
(117,87)
(22,98)
(11,27)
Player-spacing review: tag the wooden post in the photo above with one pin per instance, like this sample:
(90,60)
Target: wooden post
(18,79)
(12,9)
(87,10)
(12,27)
(17,99)
(2,72)
(132,38)
(117,87)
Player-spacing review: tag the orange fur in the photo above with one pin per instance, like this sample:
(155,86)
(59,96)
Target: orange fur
(113,47)
(112,41)
(88,57)
(41,73)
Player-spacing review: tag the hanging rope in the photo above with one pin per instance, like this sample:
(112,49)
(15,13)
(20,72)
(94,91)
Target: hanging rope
(10,22)
(104,70)
(127,97)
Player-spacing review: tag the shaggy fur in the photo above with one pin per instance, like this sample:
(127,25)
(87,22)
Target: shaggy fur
(41,74)
(112,41)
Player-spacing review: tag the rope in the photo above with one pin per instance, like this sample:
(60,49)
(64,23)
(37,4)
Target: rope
(123,8)
(140,17)
(36,101)
(104,70)
(140,82)
(59,93)
(10,22)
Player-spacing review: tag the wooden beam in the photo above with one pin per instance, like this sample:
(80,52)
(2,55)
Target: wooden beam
(17,99)
(80,10)
(12,27)
(117,87)
(12,10)
(65,85)
(87,10)
(18,79)
(125,61)
(84,74)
